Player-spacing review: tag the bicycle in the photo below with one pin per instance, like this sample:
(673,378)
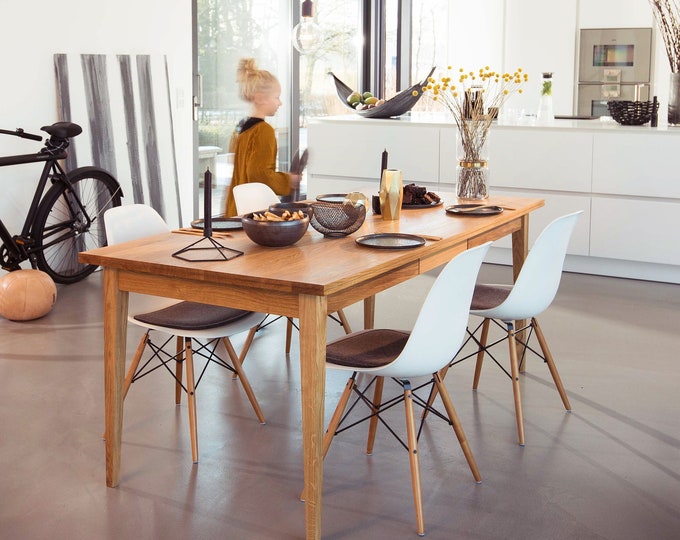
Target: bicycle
(64,218)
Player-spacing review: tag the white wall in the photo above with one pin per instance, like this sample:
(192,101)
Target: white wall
(541,37)
(32,32)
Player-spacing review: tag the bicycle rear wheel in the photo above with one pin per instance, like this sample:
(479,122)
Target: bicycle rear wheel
(70,220)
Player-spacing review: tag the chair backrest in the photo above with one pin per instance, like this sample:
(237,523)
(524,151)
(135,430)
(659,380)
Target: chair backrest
(253,196)
(440,327)
(132,221)
(539,279)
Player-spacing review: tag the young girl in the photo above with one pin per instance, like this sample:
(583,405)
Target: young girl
(255,153)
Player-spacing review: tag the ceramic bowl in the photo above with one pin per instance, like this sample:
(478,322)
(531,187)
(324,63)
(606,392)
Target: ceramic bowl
(307,208)
(275,233)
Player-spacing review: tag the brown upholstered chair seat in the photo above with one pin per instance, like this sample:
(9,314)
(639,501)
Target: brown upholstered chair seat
(367,348)
(192,316)
(489,296)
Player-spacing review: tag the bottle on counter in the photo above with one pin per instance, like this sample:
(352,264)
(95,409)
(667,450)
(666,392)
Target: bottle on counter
(655,112)
(545,108)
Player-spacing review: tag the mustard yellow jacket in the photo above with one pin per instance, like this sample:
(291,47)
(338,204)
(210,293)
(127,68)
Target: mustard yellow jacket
(255,161)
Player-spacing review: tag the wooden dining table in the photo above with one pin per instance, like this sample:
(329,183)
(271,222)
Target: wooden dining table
(308,280)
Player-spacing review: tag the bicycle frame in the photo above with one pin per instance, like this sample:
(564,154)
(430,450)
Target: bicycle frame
(20,247)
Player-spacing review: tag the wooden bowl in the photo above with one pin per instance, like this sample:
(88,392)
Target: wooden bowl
(307,208)
(275,233)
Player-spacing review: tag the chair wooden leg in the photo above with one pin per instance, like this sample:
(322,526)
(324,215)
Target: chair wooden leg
(514,372)
(457,426)
(335,419)
(413,458)
(246,348)
(238,367)
(480,353)
(344,322)
(135,363)
(373,423)
(551,364)
(133,367)
(179,348)
(191,398)
(337,414)
(289,334)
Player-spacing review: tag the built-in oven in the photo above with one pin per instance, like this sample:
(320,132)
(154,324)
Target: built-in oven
(614,64)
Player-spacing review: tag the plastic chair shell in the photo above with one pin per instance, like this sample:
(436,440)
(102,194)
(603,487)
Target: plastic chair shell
(539,279)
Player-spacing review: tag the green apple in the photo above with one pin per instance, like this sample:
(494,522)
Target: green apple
(354,98)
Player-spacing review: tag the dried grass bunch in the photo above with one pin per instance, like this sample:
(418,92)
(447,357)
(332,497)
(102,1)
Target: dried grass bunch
(667,15)
(473,99)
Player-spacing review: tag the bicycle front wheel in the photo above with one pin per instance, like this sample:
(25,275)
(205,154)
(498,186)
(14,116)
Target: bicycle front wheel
(71,219)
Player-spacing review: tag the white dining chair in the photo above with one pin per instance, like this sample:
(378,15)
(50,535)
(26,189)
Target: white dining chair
(256,196)
(532,293)
(401,356)
(199,329)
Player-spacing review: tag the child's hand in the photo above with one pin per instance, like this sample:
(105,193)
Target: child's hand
(295,180)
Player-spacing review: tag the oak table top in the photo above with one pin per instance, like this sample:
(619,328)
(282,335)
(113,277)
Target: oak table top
(307,280)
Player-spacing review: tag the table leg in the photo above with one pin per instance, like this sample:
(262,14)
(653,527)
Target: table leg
(520,249)
(115,335)
(369,312)
(313,381)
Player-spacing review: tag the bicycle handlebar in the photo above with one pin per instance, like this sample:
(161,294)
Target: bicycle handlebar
(21,133)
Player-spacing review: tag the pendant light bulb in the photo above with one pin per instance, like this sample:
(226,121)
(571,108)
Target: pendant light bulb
(307,35)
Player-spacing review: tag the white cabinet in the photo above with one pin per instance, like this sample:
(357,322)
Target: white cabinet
(625,179)
(540,159)
(635,230)
(556,205)
(637,164)
(354,149)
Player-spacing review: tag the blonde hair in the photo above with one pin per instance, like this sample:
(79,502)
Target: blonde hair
(252,81)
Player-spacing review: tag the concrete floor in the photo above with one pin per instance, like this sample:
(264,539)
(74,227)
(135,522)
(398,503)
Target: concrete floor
(608,470)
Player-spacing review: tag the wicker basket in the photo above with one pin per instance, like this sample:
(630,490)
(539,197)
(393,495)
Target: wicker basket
(337,219)
(632,113)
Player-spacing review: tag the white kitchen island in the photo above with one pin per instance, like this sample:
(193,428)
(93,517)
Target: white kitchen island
(626,179)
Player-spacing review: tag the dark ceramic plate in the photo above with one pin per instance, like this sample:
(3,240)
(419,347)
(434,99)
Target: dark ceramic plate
(473,209)
(390,241)
(415,206)
(220,224)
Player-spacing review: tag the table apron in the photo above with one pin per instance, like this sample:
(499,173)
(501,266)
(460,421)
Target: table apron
(219,294)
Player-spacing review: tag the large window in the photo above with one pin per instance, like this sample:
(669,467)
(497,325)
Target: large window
(378,45)
(229,30)
(341,54)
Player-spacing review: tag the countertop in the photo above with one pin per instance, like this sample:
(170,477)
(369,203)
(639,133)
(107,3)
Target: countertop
(429,119)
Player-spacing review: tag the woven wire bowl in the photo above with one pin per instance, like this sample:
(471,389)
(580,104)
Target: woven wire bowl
(337,219)
(632,113)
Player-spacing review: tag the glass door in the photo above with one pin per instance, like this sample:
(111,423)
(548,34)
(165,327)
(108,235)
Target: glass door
(226,31)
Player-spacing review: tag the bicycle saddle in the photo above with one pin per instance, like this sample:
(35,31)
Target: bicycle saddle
(63,130)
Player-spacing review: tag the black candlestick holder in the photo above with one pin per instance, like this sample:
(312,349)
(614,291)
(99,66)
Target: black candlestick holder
(196,252)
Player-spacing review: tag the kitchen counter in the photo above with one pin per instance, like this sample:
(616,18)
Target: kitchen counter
(626,179)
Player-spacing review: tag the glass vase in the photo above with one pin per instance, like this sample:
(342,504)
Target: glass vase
(545,113)
(472,172)
(674,100)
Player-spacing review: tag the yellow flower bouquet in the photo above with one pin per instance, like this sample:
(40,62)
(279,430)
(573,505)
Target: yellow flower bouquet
(474,99)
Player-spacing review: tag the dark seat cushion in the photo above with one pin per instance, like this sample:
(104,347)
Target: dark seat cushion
(489,296)
(192,316)
(367,348)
